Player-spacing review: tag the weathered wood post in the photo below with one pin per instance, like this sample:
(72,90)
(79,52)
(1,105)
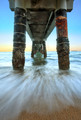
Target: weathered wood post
(19,38)
(44,48)
(32,53)
(62,39)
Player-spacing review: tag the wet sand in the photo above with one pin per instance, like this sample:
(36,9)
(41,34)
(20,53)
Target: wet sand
(70,113)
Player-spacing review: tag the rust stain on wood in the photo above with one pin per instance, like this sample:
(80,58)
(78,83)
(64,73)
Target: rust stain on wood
(61,24)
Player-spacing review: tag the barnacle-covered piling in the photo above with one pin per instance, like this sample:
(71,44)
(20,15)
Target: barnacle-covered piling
(62,39)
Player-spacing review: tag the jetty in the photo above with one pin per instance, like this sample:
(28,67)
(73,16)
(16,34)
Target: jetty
(38,18)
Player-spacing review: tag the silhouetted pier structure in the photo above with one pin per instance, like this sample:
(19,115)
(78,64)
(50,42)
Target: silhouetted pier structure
(39,18)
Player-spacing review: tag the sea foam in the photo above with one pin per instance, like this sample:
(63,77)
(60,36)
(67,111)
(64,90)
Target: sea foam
(38,89)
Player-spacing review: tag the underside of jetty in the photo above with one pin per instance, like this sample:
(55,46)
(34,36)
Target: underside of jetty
(39,18)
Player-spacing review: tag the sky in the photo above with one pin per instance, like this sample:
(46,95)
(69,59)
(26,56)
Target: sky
(7,29)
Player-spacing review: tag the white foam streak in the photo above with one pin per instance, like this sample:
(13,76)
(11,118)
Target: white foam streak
(38,89)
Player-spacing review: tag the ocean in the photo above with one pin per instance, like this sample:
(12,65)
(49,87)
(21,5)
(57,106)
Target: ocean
(41,87)
(51,60)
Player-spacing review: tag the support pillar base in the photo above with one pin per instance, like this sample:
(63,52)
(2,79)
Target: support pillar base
(63,53)
(18,59)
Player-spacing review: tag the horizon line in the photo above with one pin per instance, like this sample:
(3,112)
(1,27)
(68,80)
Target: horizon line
(47,51)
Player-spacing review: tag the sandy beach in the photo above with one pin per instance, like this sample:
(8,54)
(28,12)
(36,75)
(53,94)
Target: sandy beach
(67,114)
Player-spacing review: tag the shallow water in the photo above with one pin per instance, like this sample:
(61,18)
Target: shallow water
(41,87)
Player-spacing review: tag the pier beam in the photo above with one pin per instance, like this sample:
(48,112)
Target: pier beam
(62,39)
(19,38)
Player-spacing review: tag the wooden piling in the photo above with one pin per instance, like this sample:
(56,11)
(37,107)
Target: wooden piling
(44,49)
(32,53)
(62,39)
(19,38)
(36,48)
